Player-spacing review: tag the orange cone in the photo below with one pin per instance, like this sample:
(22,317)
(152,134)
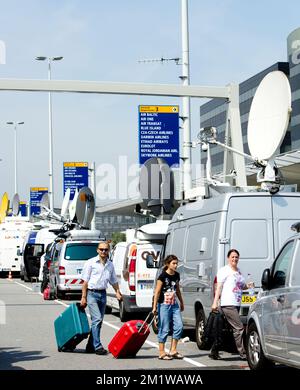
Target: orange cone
(10,275)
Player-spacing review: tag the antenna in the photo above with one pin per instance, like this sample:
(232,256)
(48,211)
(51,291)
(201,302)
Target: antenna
(269,118)
(161,60)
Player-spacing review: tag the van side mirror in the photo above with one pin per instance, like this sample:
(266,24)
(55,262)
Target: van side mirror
(265,279)
(151,262)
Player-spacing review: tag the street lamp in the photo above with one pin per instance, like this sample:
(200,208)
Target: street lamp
(51,193)
(15,124)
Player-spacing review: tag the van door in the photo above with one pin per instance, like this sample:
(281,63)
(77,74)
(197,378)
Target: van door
(117,258)
(292,309)
(273,305)
(145,277)
(286,211)
(249,230)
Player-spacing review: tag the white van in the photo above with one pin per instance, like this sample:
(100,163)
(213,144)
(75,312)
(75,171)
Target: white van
(34,247)
(12,233)
(201,233)
(72,249)
(135,279)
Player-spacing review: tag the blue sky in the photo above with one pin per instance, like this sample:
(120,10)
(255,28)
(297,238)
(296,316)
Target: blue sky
(103,41)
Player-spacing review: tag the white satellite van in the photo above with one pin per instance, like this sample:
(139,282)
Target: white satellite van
(68,256)
(35,244)
(135,279)
(201,233)
(12,233)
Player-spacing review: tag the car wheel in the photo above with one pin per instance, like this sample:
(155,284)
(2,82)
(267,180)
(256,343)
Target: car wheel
(255,354)
(59,294)
(123,312)
(200,320)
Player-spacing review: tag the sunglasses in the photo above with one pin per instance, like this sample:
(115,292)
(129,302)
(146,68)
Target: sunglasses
(103,249)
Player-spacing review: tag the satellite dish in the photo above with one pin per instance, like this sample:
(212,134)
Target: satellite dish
(269,115)
(4,206)
(157,186)
(72,206)
(85,206)
(65,203)
(44,203)
(15,205)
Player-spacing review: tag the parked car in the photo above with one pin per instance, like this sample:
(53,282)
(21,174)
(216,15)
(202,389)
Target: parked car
(273,323)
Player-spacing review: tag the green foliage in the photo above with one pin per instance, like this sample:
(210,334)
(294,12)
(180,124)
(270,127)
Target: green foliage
(117,237)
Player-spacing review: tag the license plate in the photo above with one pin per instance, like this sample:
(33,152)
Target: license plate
(248,299)
(79,270)
(146,285)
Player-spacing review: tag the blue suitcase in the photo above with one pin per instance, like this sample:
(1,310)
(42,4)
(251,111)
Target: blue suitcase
(71,327)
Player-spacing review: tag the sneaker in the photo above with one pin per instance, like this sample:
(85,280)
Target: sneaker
(101,351)
(89,349)
(214,356)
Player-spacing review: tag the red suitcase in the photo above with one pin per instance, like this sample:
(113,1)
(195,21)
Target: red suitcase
(130,338)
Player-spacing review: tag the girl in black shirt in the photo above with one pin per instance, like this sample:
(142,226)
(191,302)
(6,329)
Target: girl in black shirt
(166,305)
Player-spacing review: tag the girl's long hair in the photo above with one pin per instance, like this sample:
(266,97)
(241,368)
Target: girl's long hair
(168,260)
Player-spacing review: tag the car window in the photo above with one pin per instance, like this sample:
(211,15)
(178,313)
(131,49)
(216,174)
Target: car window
(35,249)
(282,265)
(81,251)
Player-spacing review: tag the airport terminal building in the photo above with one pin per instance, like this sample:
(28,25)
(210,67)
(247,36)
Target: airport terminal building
(213,113)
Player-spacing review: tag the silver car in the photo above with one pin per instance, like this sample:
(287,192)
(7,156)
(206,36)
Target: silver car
(273,323)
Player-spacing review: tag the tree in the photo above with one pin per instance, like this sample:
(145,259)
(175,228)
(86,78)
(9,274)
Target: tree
(117,237)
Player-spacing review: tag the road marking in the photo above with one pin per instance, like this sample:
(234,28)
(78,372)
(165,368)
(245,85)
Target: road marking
(151,343)
(20,284)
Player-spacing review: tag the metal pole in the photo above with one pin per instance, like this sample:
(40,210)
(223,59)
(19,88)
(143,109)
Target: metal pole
(16,169)
(186,150)
(93,188)
(51,193)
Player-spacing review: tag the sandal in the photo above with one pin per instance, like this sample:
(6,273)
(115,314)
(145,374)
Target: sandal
(165,357)
(176,355)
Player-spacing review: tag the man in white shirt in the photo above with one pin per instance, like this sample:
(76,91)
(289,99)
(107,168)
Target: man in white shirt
(97,273)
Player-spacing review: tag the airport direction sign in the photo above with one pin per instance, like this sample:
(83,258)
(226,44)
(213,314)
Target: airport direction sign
(159,133)
(23,208)
(36,194)
(76,175)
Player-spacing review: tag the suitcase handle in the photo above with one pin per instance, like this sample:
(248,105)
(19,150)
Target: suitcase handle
(146,323)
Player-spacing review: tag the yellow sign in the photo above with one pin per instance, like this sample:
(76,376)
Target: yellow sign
(4,206)
(75,164)
(34,189)
(170,109)
(248,299)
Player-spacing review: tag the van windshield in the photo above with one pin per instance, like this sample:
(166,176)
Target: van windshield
(81,251)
